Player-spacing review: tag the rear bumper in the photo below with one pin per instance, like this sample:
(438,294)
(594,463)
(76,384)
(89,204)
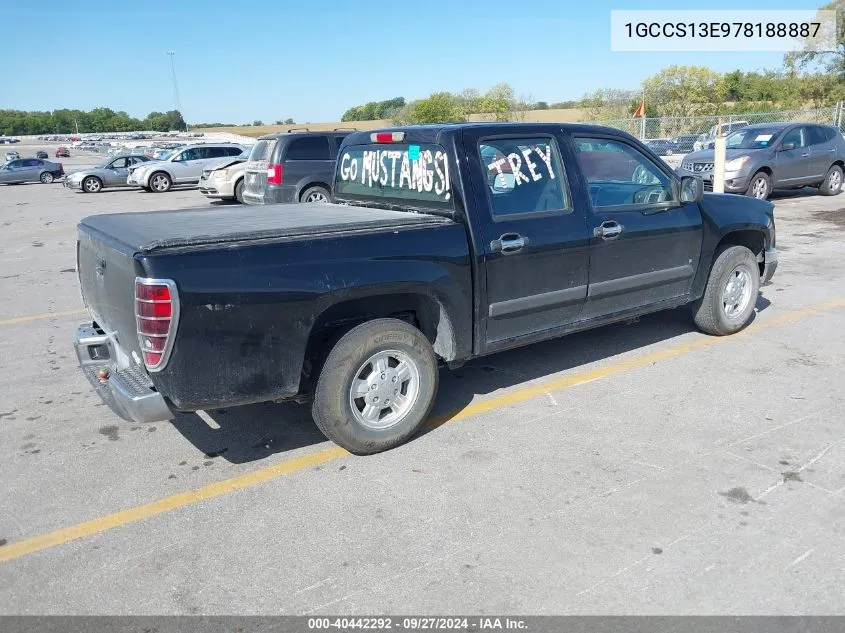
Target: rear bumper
(770,265)
(272,195)
(127,391)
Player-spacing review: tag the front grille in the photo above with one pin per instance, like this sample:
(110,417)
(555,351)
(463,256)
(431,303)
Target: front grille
(697,168)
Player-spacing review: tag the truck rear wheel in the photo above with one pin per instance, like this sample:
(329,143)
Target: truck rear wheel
(377,386)
(731,292)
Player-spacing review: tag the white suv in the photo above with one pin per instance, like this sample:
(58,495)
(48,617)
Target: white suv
(183,166)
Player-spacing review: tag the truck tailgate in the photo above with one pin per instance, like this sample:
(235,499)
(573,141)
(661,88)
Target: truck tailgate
(107,281)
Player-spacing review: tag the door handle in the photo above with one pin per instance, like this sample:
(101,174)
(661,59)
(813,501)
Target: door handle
(609,230)
(804,155)
(831,151)
(508,243)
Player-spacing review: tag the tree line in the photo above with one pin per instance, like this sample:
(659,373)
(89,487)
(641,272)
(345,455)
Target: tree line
(19,123)
(807,78)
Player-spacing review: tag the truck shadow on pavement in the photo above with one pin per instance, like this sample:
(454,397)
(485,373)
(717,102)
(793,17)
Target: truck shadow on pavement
(254,432)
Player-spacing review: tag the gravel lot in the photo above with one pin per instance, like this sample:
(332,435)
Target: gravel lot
(640,468)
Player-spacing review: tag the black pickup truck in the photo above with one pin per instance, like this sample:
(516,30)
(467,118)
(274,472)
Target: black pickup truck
(444,243)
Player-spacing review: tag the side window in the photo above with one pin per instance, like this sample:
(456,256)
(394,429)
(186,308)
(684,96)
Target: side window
(524,175)
(15,164)
(309,148)
(817,135)
(214,152)
(232,151)
(120,163)
(189,154)
(618,174)
(796,136)
(32,162)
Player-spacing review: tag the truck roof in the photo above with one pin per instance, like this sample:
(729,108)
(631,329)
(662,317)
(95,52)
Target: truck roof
(432,133)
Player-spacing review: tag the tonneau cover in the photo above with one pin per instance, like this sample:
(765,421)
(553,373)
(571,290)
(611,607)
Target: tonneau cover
(151,230)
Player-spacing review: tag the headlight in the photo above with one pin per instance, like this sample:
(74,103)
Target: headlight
(737,163)
(220,173)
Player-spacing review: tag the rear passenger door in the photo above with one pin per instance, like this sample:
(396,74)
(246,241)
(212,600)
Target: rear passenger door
(307,161)
(822,151)
(531,236)
(644,243)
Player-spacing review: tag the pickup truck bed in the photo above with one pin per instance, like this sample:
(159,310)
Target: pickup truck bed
(155,230)
(256,284)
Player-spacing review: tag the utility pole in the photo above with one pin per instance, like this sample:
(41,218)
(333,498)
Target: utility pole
(170,54)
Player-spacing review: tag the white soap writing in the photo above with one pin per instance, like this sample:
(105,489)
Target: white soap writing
(429,172)
(516,163)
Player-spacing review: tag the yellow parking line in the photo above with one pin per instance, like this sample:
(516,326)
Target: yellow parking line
(41,317)
(296,464)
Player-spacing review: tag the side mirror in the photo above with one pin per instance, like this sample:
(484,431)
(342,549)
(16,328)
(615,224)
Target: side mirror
(692,189)
(787,146)
(503,183)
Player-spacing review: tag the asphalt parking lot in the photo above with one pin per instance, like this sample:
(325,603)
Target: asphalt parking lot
(643,468)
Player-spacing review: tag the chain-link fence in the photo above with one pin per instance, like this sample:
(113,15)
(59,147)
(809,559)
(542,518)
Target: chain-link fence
(675,127)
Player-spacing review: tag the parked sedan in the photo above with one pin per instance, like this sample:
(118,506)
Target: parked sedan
(41,154)
(768,156)
(224,180)
(62,152)
(112,172)
(12,156)
(661,146)
(30,170)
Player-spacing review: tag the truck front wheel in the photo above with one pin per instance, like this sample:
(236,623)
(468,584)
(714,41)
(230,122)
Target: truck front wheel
(731,292)
(376,387)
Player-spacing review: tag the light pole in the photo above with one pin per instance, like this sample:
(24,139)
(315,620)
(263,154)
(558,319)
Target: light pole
(170,54)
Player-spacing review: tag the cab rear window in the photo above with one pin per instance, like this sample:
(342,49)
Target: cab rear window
(399,173)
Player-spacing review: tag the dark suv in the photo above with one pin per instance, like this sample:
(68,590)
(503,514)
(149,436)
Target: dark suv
(295,166)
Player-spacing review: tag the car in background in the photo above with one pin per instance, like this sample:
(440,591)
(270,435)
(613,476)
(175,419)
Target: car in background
(708,141)
(183,166)
(684,143)
(12,156)
(30,170)
(295,166)
(62,152)
(661,146)
(112,172)
(41,154)
(224,179)
(768,156)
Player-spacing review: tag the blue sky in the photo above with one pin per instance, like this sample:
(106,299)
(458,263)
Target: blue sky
(236,62)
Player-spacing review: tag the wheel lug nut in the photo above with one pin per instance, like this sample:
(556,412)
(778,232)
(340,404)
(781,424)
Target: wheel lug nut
(382,376)
(372,387)
(394,379)
(375,398)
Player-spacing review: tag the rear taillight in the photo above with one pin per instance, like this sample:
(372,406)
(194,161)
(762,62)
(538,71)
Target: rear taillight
(156,316)
(274,174)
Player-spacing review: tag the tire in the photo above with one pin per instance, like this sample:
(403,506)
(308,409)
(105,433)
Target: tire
(760,186)
(160,182)
(353,361)
(239,191)
(832,184)
(92,184)
(46,177)
(315,194)
(724,310)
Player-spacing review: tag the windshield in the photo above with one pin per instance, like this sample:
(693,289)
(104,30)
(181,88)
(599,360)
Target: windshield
(753,139)
(396,173)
